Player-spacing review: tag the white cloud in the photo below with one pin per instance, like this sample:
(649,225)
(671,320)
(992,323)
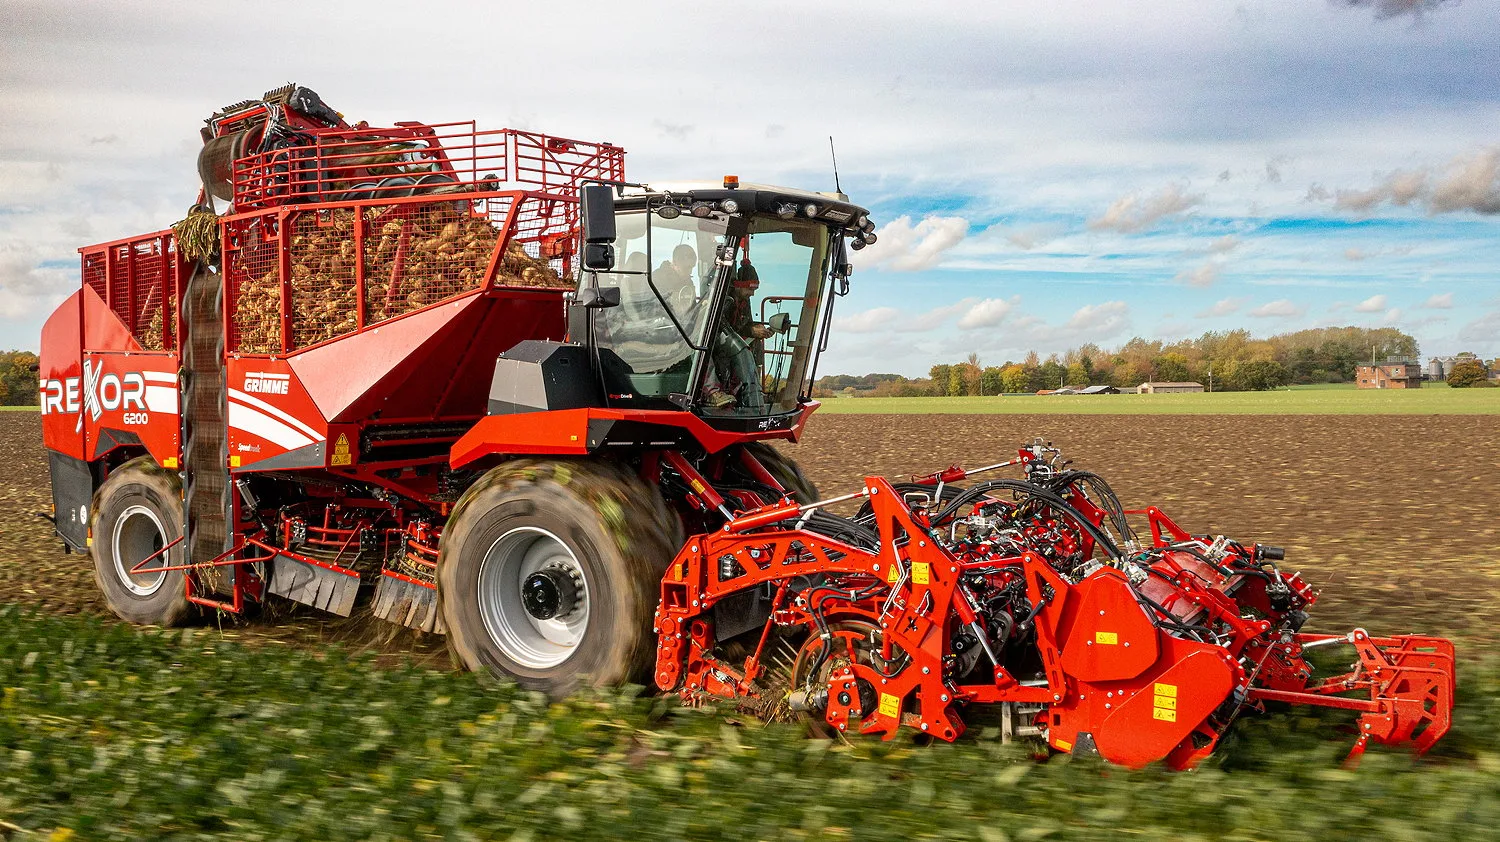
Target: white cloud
(1224,244)
(1280,308)
(906,247)
(1223,307)
(987,313)
(1135,213)
(1439,301)
(1469,182)
(1483,333)
(1373,304)
(897,320)
(1202,275)
(1393,315)
(1353,254)
(1104,319)
(866,321)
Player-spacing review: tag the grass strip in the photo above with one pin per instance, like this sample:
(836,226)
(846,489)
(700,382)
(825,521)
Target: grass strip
(113,732)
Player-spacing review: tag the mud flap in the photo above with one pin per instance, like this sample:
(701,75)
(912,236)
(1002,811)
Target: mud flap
(324,586)
(408,602)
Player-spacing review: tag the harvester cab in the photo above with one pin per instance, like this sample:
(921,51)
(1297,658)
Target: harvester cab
(712,298)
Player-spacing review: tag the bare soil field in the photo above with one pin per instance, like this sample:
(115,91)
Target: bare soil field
(1394,517)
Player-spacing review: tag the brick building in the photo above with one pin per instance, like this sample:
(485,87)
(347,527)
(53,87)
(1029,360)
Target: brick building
(1391,374)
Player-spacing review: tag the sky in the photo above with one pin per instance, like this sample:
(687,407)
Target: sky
(1043,175)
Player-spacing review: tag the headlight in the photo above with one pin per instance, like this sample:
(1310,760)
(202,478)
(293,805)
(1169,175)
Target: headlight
(786,210)
(701,209)
(729,206)
(669,211)
(810,209)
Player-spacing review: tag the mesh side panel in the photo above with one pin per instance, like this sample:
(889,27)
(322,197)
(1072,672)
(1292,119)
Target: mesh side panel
(137,280)
(419,254)
(149,275)
(323,264)
(119,285)
(93,273)
(252,280)
(541,249)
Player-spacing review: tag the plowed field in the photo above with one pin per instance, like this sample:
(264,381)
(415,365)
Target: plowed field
(1395,517)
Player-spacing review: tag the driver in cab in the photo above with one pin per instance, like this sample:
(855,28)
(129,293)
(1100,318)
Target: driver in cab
(739,349)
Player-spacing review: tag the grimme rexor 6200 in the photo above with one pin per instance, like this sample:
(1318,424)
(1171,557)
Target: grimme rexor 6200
(480,385)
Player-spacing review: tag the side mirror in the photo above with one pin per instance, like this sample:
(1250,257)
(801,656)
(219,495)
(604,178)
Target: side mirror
(598,257)
(598,213)
(780,322)
(598,298)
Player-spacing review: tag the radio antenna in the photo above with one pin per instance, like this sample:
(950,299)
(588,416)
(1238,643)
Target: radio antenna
(834,155)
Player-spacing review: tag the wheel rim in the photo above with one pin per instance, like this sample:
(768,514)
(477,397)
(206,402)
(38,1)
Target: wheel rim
(138,535)
(522,554)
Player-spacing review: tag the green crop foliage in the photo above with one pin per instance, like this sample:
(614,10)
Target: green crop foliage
(112,732)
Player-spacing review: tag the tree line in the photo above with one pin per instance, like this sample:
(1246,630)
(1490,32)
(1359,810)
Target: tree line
(18,378)
(1231,360)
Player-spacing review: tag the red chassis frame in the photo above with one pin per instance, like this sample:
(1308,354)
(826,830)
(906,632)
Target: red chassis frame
(1138,696)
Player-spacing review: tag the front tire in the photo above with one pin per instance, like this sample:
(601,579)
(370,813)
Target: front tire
(785,470)
(549,572)
(137,512)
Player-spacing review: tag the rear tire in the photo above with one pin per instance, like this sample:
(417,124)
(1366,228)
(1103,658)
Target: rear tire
(549,572)
(137,511)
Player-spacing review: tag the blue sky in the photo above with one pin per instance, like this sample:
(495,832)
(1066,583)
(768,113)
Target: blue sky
(1044,176)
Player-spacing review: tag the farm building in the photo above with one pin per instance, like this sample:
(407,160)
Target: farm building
(1169,387)
(1392,374)
(1099,390)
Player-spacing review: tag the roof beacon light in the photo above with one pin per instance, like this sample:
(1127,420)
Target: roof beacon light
(731,182)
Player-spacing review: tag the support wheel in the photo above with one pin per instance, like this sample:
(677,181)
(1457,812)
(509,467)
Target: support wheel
(550,571)
(137,512)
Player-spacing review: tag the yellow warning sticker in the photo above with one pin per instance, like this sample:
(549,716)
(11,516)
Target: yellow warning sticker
(341,454)
(892,573)
(889,705)
(1063,745)
(169,462)
(1107,638)
(1164,702)
(234,461)
(921,573)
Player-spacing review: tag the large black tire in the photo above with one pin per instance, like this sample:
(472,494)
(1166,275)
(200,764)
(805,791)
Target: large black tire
(596,523)
(136,512)
(786,471)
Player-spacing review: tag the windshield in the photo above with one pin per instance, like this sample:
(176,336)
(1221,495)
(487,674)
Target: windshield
(732,319)
(762,345)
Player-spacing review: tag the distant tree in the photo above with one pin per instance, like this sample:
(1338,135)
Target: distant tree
(1078,374)
(1468,373)
(18,380)
(939,375)
(1051,373)
(1015,378)
(992,381)
(956,381)
(1171,368)
(1261,375)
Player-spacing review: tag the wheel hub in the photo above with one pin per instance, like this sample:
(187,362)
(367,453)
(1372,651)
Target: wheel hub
(549,593)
